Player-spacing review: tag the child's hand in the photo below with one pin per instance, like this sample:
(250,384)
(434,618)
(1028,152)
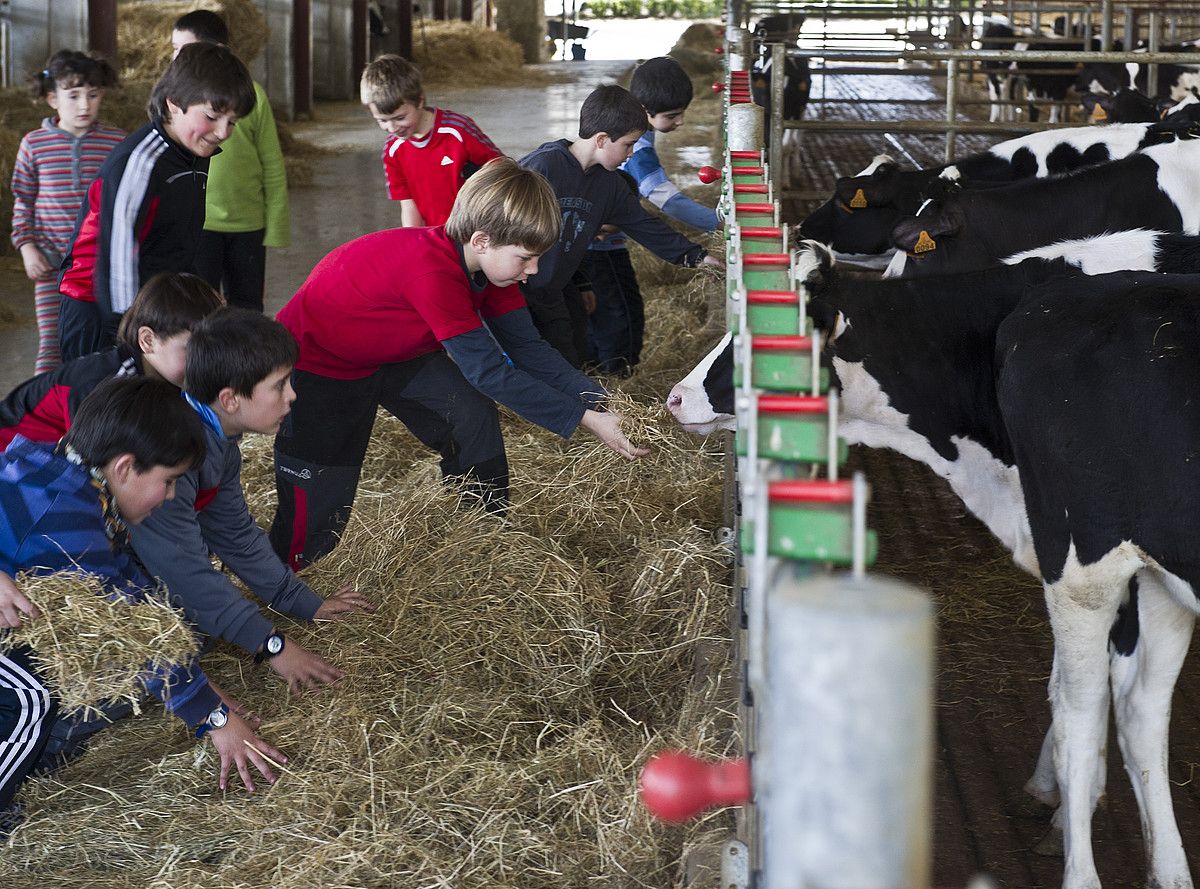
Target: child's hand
(607,428)
(588,298)
(36,264)
(236,706)
(13,604)
(713,261)
(347,600)
(240,748)
(302,669)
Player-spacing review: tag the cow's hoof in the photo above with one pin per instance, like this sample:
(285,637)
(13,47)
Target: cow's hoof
(1048,796)
(1051,845)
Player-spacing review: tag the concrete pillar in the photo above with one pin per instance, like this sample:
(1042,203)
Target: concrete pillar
(39,28)
(102,29)
(525,22)
(273,67)
(332,50)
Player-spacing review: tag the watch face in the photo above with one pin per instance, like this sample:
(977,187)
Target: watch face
(274,644)
(218,718)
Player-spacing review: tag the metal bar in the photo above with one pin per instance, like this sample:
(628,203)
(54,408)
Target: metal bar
(951,102)
(778,78)
(996,55)
(934,127)
(1152,70)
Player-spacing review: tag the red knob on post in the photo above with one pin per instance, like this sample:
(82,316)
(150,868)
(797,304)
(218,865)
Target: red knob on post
(720,50)
(676,786)
(708,174)
(718,87)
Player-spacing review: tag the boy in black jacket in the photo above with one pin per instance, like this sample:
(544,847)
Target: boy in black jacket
(591,193)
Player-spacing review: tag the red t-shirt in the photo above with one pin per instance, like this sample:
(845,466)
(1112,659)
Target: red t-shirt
(430,172)
(387,297)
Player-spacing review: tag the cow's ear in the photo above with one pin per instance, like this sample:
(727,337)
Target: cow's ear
(824,316)
(1089,101)
(920,234)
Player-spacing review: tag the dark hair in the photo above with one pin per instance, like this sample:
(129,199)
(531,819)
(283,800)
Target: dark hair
(238,349)
(136,415)
(72,69)
(204,72)
(205,24)
(611,109)
(661,85)
(170,303)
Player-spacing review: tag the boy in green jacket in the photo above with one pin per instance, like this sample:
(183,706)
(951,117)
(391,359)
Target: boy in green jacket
(246,209)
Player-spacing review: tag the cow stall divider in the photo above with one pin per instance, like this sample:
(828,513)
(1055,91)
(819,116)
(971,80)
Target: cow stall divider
(836,712)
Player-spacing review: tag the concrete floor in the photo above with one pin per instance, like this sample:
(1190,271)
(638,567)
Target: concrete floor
(348,197)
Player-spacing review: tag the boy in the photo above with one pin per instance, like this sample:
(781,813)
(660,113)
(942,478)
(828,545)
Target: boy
(151,341)
(145,211)
(591,193)
(616,324)
(430,151)
(69,508)
(238,369)
(246,209)
(409,319)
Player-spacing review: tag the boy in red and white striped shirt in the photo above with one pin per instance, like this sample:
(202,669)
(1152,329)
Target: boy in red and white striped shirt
(55,165)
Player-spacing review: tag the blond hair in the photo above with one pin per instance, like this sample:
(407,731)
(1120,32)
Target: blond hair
(389,82)
(510,204)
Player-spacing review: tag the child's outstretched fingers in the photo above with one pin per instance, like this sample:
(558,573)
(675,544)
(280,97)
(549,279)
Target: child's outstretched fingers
(346,600)
(240,748)
(607,428)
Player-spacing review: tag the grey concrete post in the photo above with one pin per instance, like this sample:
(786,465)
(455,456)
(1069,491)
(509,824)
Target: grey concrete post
(843,777)
(745,123)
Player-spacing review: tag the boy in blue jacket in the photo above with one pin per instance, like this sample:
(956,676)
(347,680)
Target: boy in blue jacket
(70,508)
(592,193)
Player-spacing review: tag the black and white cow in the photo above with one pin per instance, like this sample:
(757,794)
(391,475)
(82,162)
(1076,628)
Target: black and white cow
(1124,106)
(1175,82)
(797,81)
(1134,250)
(1154,188)
(970,376)
(1044,81)
(857,221)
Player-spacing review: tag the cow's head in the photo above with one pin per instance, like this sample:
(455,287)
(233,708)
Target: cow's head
(875,187)
(702,402)
(1126,106)
(919,235)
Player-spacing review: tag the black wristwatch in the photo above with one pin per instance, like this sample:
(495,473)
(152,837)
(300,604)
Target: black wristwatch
(272,646)
(218,718)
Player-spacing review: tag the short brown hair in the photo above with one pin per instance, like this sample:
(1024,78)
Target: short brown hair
(204,72)
(511,204)
(613,110)
(170,303)
(389,82)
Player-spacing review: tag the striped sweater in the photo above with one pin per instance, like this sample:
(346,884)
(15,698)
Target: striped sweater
(50,177)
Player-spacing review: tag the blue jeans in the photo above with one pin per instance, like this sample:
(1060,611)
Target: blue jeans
(616,328)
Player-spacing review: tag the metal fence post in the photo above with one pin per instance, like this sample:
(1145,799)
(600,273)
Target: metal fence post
(951,105)
(778,76)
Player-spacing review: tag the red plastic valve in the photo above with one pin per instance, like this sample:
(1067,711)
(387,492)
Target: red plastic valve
(718,87)
(708,174)
(676,786)
(720,50)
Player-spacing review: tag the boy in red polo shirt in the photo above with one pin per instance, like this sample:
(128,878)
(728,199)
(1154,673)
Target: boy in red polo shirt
(430,152)
(413,320)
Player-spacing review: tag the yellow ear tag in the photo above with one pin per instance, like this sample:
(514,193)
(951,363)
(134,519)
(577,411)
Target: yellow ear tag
(859,200)
(1098,113)
(924,243)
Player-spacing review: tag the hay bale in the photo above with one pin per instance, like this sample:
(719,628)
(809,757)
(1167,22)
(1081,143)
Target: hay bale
(94,648)
(144,32)
(462,54)
(694,50)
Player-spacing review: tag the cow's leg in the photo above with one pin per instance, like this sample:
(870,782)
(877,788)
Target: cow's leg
(1083,606)
(1043,786)
(993,82)
(1143,680)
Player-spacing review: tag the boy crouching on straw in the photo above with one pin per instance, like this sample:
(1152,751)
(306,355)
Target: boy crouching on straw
(68,508)
(414,320)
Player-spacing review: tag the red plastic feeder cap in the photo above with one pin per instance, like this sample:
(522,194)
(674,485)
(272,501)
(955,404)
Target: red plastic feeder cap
(769,343)
(749,155)
(772,297)
(718,88)
(749,188)
(761,231)
(750,171)
(676,786)
(766,258)
(811,491)
(720,50)
(793,404)
(755,208)
(708,174)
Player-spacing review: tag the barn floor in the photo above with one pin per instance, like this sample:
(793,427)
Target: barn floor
(995,646)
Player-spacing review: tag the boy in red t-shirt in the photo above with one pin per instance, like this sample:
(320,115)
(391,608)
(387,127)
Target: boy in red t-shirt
(430,152)
(413,320)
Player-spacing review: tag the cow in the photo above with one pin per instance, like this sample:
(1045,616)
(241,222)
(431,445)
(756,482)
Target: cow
(857,221)
(969,375)
(1134,250)
(1154,188)
(797,81)
(1126,105)
(1045,81)
(1175,82)
(997,33)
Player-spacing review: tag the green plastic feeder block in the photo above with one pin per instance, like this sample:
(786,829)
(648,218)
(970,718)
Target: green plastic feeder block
(745,159)
(762,239)
(794,428)
(755,214)
(811,520)
(775,312)
(782,364)
(766,271)
(748,175)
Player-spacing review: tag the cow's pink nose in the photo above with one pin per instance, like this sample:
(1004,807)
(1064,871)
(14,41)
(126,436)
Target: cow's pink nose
(674,400)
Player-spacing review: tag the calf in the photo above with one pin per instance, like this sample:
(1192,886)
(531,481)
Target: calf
(859,218)
(782,28)
(969,375)
(1155,188)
